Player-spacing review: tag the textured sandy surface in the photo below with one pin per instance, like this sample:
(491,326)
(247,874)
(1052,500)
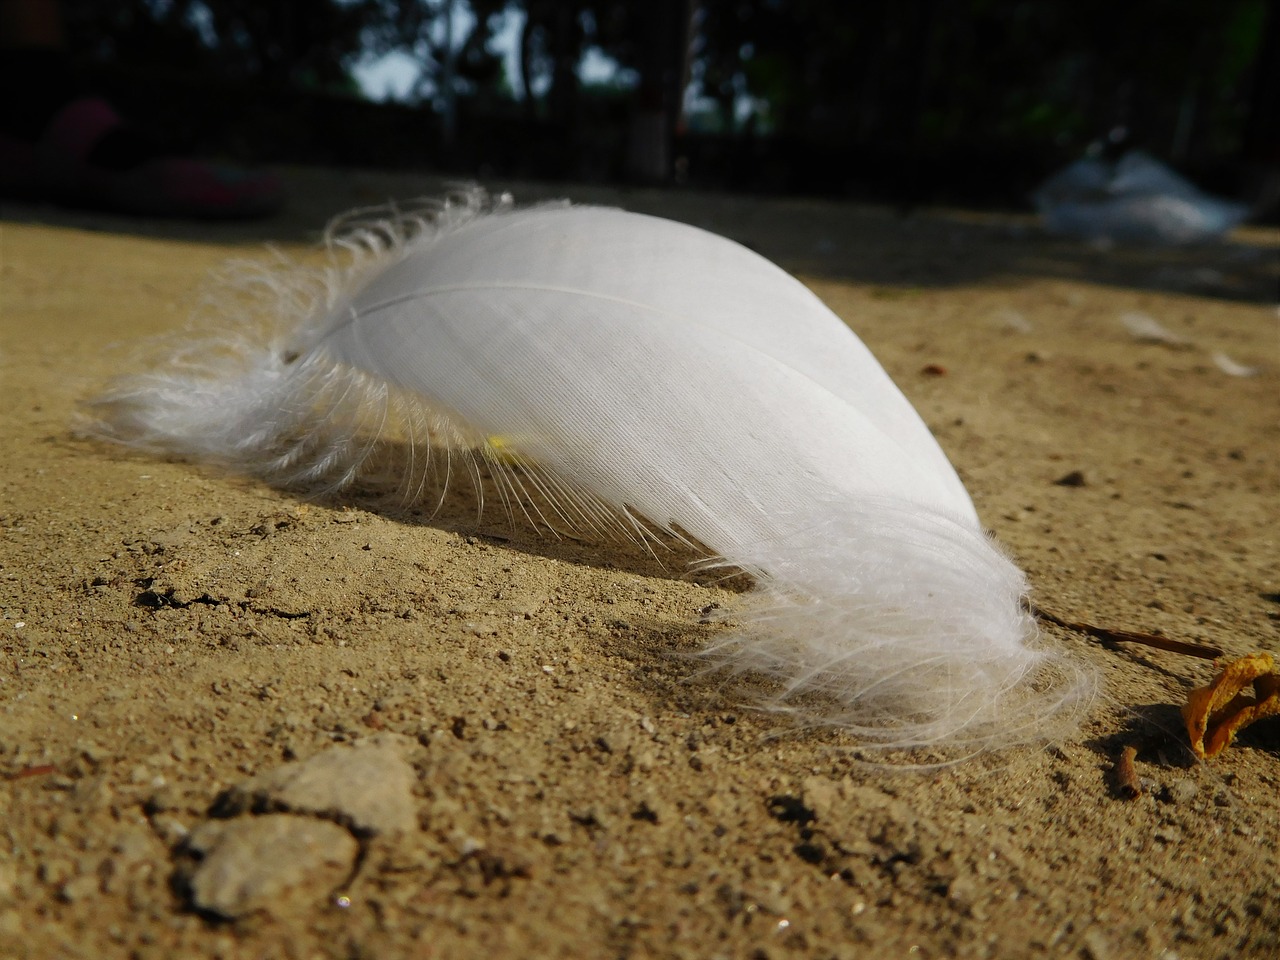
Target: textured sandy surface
(166,633)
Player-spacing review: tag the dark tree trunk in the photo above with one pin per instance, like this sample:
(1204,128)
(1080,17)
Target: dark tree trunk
(664,55)
(1261,141)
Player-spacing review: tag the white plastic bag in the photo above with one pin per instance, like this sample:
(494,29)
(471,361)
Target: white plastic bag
(1136,199)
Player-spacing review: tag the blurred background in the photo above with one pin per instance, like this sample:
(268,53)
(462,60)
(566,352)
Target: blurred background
(909,101)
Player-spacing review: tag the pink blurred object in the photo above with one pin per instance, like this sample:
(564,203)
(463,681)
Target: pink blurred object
(57,168)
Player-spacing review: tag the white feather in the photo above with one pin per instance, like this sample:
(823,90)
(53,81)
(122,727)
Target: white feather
(632,366)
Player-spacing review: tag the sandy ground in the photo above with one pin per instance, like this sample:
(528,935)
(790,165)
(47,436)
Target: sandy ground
(564,789)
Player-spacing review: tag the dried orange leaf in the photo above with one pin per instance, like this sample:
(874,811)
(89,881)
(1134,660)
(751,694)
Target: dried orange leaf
(1216,713)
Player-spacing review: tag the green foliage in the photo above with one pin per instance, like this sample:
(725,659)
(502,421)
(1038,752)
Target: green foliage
(1058,71)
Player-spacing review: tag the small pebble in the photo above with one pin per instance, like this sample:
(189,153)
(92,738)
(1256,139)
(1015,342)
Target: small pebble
(367,785)
(254,863)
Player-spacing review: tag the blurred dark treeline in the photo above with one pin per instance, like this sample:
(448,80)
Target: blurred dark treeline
(907,100)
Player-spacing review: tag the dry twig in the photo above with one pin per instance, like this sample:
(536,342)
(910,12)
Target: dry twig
(1187,648)
(1127,775)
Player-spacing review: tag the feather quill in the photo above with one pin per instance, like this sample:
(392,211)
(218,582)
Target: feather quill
(622,366)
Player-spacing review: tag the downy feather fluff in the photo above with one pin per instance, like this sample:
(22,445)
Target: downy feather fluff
(621,366)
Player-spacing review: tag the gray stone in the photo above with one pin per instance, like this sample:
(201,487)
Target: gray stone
(367,786)
(258,863)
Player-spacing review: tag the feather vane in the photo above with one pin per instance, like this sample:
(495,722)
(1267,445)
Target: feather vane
(622,365)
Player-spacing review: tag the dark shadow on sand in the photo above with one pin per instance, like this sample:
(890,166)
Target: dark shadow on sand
(926,248)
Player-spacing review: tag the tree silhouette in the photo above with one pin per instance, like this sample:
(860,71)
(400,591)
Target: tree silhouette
(903,77)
